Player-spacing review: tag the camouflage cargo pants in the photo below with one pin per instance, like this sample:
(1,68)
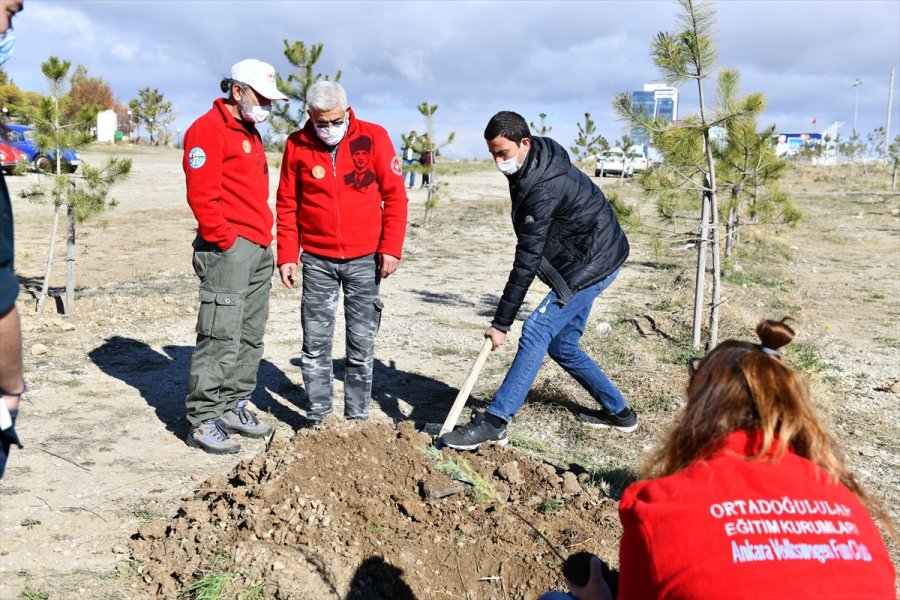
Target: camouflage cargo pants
(323,279)
(234,307)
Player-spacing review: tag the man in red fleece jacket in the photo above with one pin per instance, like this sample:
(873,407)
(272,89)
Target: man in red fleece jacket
(228,189)
(341,199)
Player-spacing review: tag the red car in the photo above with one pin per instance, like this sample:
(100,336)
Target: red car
(11,157)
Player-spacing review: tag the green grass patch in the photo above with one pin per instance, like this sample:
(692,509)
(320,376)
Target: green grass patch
(209,587)
(787,309)
(122,571)
(30,593)
(146,513)
(612,479)
(805,358)
(551,505)
(522,440)
(749,279)
(886,341)
(29,523)
(458,468)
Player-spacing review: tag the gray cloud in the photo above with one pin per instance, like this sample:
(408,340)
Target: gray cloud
(474,58)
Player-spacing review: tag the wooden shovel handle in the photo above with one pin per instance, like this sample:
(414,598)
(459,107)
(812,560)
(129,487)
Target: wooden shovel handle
(466,389)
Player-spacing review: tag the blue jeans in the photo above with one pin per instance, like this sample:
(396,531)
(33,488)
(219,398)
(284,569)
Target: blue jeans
(412,174)
(556,329)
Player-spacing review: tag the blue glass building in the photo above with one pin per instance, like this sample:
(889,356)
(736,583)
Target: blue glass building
(656,100)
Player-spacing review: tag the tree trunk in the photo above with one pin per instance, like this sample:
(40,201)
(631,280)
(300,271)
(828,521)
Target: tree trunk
(69,305)
(710,185)
(729,232)
(717,272)
(894,177)
(46,284)
(700,279)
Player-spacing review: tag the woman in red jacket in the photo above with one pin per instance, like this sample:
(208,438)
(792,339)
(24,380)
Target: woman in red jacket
(748,496)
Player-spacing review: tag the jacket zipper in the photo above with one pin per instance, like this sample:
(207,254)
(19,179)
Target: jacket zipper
(337,200)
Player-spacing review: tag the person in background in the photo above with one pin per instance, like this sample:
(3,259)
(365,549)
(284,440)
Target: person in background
(227,180)
(340,200)
(410,157)
(426,159)
(12,375)
(748,496)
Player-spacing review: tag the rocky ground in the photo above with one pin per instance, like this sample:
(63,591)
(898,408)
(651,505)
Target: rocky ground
(106,501)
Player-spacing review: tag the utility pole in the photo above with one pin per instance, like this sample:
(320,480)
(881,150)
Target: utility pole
(887,127)
(856,85)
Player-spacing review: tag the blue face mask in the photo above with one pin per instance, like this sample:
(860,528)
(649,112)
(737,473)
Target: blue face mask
(7,45)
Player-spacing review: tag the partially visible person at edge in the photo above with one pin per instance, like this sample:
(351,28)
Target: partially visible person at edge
(228,188)
(568,236)
(748,496)
(350,227)
(12,376)
(410,155)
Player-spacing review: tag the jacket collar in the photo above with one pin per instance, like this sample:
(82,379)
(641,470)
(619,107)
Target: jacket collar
(748,443)
(229,119)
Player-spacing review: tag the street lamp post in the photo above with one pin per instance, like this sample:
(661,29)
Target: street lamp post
(856,85)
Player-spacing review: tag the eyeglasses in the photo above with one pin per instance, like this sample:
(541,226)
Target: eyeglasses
(332,123)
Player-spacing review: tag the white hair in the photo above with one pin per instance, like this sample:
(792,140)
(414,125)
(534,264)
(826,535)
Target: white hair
(326,95)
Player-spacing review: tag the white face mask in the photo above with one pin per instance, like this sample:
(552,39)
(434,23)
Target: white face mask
(333,134)
(508,166)
(254,113)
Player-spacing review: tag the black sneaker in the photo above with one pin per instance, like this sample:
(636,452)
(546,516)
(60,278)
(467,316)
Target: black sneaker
(477,432)
(626,420)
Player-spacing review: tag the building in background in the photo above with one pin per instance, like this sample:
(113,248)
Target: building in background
(656,100)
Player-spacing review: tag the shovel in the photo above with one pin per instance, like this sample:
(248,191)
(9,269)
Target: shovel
(463,395)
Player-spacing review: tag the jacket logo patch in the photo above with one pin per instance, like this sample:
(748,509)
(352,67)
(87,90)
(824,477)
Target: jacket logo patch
(529,219)
(246,146)
(395,166)
(196,157)
(318,172)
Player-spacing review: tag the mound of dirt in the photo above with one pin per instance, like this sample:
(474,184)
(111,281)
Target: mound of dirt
(366,510)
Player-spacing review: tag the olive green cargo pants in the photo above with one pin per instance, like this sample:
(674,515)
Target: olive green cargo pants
(234,307)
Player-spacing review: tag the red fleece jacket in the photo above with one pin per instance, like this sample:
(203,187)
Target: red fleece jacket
(728,527)
(227,179)
(346,208)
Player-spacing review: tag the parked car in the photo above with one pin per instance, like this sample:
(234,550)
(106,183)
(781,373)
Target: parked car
(613,162)
(11,157)
(639,162)
(22,138)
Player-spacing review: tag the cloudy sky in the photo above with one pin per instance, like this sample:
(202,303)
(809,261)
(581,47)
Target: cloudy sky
(475,58)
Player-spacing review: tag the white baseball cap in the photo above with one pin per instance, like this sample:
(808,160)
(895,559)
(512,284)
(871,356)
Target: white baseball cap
(258,75)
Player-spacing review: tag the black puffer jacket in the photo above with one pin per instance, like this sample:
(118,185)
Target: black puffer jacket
(567,232)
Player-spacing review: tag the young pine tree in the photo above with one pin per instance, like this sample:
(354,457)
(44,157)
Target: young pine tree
(83,196)
(542,129)
(428,147)
(688,166)
(152,110)
(589,142)
(747,166)
(296,84)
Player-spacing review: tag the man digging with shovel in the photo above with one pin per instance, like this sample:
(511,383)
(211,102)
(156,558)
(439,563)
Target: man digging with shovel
(568,236)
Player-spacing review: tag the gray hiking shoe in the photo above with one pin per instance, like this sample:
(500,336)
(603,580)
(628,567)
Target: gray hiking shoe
(626,420)
(210,436)
(242,420)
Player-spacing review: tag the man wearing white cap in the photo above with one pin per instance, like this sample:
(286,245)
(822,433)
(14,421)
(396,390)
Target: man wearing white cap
(227,189)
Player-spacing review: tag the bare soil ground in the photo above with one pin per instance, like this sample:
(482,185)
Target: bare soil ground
(106,501)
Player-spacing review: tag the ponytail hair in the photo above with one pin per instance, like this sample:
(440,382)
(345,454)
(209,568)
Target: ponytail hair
(746,386)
